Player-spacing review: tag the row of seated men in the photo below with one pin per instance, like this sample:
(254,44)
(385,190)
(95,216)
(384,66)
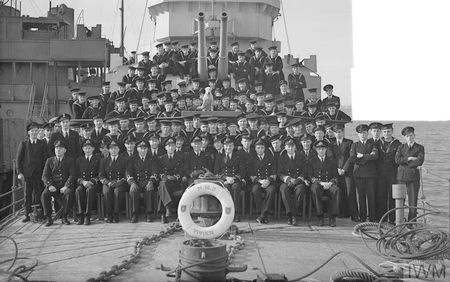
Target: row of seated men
(337,167)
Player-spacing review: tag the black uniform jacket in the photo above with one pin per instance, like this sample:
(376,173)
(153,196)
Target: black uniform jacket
(31,158)
(59,175)
(407,170)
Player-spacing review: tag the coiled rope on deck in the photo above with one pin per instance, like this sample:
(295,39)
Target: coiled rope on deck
(17,272)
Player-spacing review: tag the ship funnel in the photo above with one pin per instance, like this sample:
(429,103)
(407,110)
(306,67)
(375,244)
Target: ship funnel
(202,66)
(222,71)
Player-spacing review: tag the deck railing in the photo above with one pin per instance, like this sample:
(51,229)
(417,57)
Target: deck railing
(17,198)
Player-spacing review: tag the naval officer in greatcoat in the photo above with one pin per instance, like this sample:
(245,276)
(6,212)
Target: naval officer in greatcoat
(292,171)
(112,176)
(171,174)
(31,157)
(142,174)
(409,156)
(87,168)
(230,166)
(323,174)
(58,177)
(263,176)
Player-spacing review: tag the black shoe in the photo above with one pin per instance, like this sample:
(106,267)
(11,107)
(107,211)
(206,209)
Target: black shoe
(49,222)
(134,218)
(87,220)
(320,222)
(65,221)
(332,221)
(289,222)
(80,220)
(116,218)
(294,221)
(260,220)
(164,219)
(148,218)
(109,219)
(266,220)
(26,219)
(354,218)
(237,218)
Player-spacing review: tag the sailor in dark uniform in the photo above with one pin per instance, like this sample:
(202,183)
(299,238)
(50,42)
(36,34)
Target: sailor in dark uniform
(80,105)
(363,155)
(333,113)
(212,59)
(98,133)
(87,183)
(276,61)
(323,175)
(241,68)
(263,176)
(112,176)
(271,80)
(171,172)
(297,82)
(114,133)
(146,63)
(31,156)
(130,145)
(142,173)
(58,177)
(253,48)
(387,172)
(330,98)
(284,94)
(104,97)
(231,168)
(128,78)
(70,137)
(313,111)
(409,157)
(341,147)
(233,55)
(293,174)
(120,109)
(119,93)
(257,65)
(197,161)
(73,98)
(314,98)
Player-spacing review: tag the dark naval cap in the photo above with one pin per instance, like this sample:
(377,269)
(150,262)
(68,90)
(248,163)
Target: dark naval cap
(64,117)
(143,143)
(169,141)
(387,126)
(321,144)
(260,142)
(328,87)
(60,143)
(113,143)
(375,125)
(228,140)
(362,127)
(32,125)
(407,130)
(87,142)
(289,142)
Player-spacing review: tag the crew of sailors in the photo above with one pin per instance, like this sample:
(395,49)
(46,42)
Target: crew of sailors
(136,141)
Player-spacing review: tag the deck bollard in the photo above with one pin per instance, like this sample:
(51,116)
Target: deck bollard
(399,194)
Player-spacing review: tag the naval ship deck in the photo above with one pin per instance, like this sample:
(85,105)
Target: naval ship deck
(77,253)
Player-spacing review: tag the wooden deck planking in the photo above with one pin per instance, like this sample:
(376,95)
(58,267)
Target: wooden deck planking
(76,253)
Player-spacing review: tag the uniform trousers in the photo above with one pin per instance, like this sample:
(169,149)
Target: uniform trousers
(33,190)
(166,190)
(85,197)
(412,189)
(114,196)
(333,193)
(263,198)
(135,191)
(235,191)
(383,194)
(366,190)
(349,204)
(292,197)
(65,200)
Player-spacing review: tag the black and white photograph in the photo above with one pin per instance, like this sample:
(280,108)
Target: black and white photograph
(224,140)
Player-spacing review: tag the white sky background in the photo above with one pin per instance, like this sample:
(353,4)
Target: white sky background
(401,48)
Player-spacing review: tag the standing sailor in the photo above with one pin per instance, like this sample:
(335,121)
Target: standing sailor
(409,157)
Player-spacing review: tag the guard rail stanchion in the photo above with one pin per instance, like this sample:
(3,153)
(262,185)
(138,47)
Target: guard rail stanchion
(399,194)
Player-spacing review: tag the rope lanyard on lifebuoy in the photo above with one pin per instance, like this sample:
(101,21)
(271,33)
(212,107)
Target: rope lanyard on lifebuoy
(184,213)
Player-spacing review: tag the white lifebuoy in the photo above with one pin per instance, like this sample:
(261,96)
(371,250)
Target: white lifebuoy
(184,213)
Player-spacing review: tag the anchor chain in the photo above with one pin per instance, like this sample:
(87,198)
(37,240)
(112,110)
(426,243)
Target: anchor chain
(135,256)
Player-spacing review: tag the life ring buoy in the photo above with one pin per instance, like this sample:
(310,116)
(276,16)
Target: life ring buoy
(201,189)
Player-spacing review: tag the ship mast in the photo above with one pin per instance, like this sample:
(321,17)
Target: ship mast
(121,31)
